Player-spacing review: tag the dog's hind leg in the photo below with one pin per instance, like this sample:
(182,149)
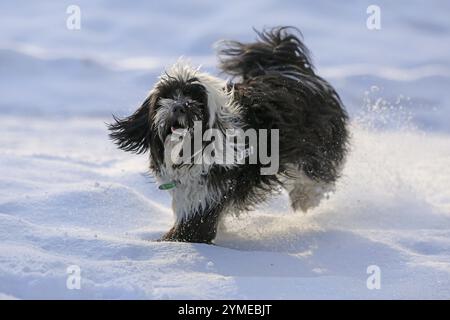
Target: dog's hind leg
(305,193)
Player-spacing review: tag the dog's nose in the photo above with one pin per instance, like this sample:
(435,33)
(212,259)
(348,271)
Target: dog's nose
(178,109)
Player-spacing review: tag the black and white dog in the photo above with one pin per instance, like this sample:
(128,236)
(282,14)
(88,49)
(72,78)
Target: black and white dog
(275,88)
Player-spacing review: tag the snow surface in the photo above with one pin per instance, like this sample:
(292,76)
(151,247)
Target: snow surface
(69,197)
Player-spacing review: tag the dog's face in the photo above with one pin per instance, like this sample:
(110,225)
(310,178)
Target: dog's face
(179,102)
(182,96)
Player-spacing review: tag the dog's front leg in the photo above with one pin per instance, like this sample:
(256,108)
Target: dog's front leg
(200,226)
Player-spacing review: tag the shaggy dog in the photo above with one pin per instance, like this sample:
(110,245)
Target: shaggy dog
(275,90)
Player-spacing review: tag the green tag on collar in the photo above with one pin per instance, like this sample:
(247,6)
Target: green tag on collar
(167,186)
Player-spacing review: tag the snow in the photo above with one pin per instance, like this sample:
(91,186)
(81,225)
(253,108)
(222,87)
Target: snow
(69,197)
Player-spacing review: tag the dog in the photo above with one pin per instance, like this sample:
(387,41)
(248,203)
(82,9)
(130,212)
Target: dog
(274,87)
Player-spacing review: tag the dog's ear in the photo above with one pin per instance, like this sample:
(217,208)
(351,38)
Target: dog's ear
(133,133)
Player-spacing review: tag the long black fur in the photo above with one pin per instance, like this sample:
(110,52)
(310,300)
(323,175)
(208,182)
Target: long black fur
(132,133)
(303,106)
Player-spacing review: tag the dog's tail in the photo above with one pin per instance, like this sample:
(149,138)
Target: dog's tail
(278,50)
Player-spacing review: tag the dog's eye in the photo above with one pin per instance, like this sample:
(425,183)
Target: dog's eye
(195,92)
(187,104)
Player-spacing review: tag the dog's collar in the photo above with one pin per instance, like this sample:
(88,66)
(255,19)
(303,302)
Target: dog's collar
(167,186)
(172,184)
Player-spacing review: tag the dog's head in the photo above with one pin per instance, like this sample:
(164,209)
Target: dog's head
(181,99)
(183,95)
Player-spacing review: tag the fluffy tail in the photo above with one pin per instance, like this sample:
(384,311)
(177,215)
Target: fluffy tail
(278,50)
